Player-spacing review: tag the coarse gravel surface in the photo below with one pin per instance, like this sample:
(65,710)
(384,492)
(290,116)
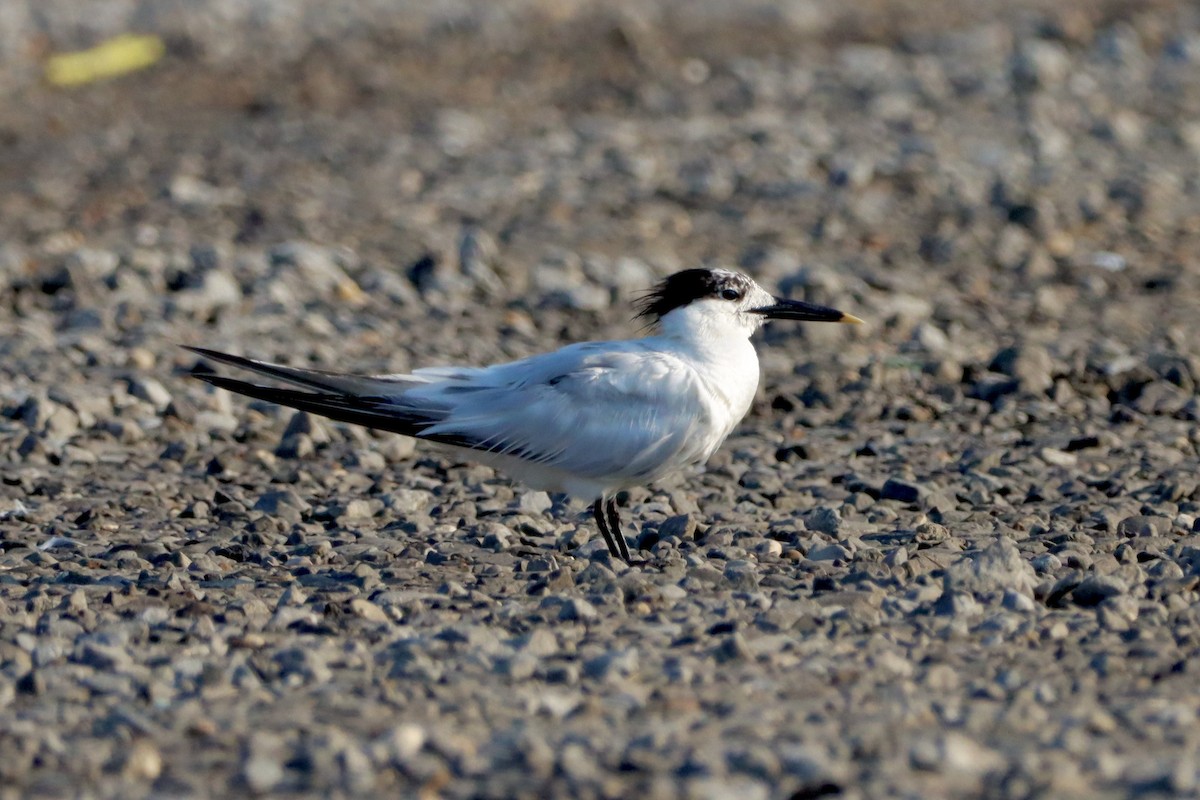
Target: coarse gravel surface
(950,553)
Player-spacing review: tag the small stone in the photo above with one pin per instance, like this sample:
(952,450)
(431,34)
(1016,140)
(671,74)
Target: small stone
(143,762)
(365,609)
(262,770)
(1040,64)
(1108,261)
(1031,366)
(758,762)
(1119,612)
(992,387)
(64,423)
(105,657)
(276,501)
(928,533)
(151,391)
(1095,589)
(904,491)
(299,446)
(315,267)
(77,603)
(214,290)
(575,609)
(403,742)
(304,423)
(956,604)
(397,448)
(732,648)
(823,520)
(1058,458)
(954,752)
(830,552)
(534,503)
(356,509)
(741,576)
(539,642)
(1017,601)
(405,502)
(681,526)
(541,564)
(1046,562)
(496,537)
(1143,526)
(998,569)
(617,664)
(768,548)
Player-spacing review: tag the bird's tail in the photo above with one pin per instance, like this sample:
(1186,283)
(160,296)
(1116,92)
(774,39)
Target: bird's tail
(369,400)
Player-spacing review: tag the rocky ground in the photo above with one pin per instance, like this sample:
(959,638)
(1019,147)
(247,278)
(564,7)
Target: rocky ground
(953,552)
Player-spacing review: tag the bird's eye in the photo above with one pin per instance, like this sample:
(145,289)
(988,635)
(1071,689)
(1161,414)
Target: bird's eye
(731,294)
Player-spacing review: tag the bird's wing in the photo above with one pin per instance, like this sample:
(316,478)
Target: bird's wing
(594,410)
(589,410)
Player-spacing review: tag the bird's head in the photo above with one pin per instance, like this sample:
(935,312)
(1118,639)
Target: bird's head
(721,303)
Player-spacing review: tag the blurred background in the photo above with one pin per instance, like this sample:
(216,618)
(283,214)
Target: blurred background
(954,171)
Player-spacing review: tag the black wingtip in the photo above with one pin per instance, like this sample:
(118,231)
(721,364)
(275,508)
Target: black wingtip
(370,412)
(200,350)
(222,382)
(224,358)
(311,378)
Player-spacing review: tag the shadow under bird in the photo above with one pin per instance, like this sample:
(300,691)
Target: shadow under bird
(587,420)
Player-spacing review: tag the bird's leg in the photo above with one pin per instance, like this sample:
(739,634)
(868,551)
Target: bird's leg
(614,527)
(602,524)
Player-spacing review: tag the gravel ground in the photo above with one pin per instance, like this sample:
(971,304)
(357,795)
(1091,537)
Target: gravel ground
(954,552)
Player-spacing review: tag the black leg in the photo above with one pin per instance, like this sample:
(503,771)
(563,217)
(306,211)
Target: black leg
(614,526)
(598,509)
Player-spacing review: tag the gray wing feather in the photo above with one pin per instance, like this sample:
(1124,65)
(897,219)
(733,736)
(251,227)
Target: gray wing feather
(593,414)
(588,410)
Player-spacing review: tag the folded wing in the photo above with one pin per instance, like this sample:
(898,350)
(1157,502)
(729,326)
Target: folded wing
(593,411)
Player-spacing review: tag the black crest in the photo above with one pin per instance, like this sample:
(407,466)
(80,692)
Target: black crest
(682,288)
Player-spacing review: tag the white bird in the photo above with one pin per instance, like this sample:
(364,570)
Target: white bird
(587,420)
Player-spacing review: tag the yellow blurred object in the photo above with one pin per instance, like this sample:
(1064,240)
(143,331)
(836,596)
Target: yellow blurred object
(349,292)
(116,56)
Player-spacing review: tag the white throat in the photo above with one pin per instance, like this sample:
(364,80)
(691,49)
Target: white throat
(716,342)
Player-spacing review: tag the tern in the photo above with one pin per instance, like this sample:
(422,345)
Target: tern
(588,420)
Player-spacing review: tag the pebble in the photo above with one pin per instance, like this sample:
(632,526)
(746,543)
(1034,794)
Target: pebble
(994,571)
(680,526)
(830,552)
(1030,365)
(572,609)
(143,761)
(1095,589)
(823,520)
(370,612)
(1143,526)
(904,491)
(533,503)
(263,768)
(742,575)
(966,527)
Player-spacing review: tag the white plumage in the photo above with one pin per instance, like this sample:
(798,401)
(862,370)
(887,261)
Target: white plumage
(589,419)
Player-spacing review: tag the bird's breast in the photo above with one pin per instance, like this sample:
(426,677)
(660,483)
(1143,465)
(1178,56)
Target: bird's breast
(730,380)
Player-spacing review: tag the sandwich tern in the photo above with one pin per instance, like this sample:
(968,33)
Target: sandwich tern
(587,420)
